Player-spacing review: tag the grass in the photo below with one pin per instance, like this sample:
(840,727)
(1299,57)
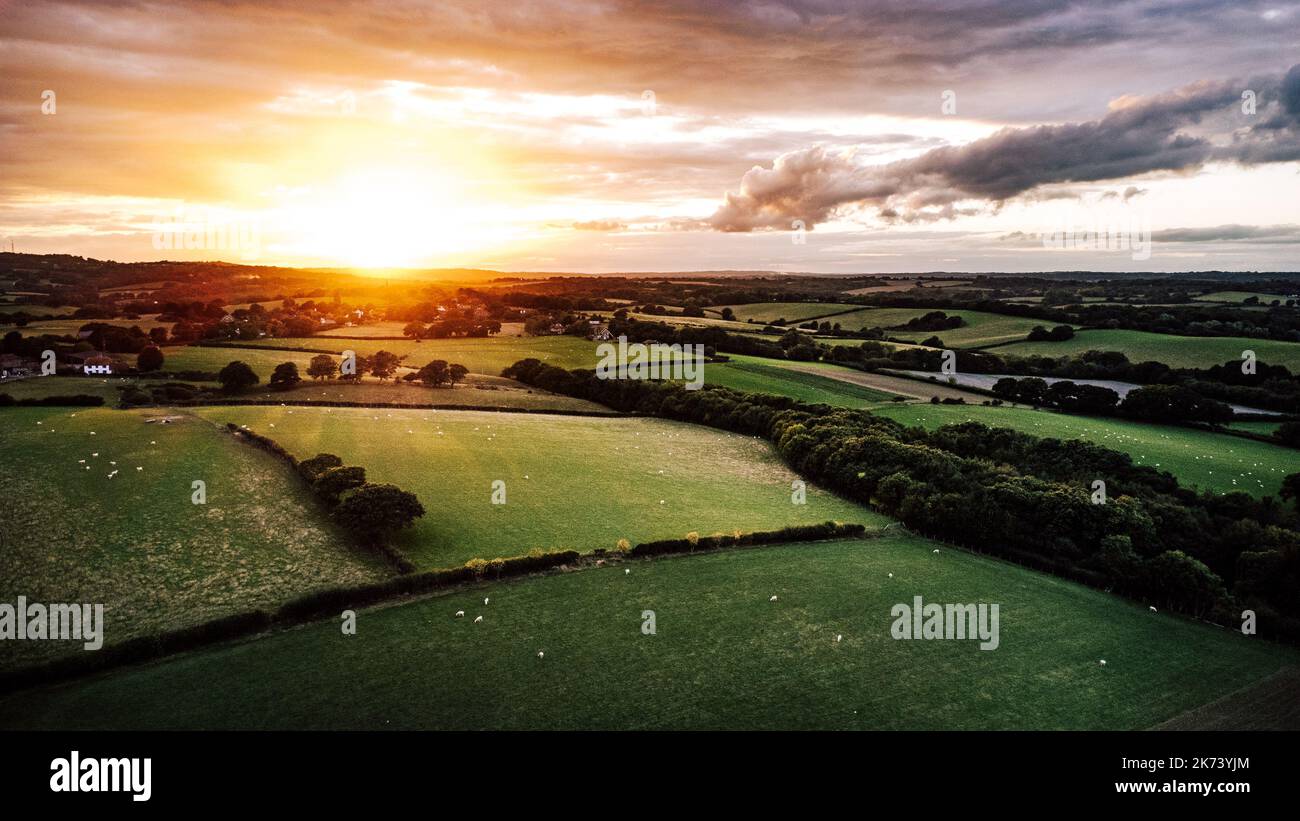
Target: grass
(212,360)
(136,543)
(39,387)
(792,312)
(757,375)
(1209,461)
(1262,428)
(723,656)
(571,482)
(483,391)
(488,355)
(981,328)
(1174,351)
(70,327)
(1238,297)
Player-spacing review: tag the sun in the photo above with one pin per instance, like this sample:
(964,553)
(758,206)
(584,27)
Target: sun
(387,217)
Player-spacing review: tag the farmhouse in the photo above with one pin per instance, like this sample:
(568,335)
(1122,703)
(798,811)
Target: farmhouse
(600,331)
(98,365)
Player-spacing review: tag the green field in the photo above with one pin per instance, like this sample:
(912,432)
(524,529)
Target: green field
(1261,428)
(723,656)
(70,327)
(571,482)
(213,359)
(752,374)
(39,387)
(481,391)
(1174,351)
(792,312)
(136,543)
(980,329)
(489,356)
(1209,461)
(1238,297)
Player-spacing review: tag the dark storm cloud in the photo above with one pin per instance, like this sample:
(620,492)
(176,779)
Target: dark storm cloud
(1176,131)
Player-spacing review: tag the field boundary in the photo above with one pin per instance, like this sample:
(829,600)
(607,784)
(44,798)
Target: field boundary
(305,403)
(327,603)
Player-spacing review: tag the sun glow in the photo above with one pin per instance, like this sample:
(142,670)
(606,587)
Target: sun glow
(386,218)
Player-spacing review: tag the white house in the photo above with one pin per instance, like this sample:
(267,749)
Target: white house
(98,365)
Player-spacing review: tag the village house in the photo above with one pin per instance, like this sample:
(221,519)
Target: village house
(98,365)
(600,331)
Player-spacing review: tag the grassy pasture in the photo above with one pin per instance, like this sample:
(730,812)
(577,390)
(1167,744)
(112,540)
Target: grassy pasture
(488,355)
(1209,461)
(980,329)
(1174,351)
(136,542)
(792,312)
(485,391)
(1238,297)
(753,374)
(70,327)
(723,656)
(571,482)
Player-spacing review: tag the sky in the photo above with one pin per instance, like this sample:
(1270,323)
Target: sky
(807,136)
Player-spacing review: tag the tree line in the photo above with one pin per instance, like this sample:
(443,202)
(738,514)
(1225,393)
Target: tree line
(1010,494)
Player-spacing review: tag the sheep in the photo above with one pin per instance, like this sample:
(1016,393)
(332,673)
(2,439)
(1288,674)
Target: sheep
(478,619)
(460,614)
(1152,609)
(541,655)
(627,571)
(891,575)
(839,637)
(935,551)
(1102,662)
(485,600)
(772,599)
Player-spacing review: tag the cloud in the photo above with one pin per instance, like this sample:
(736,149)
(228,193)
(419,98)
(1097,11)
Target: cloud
(1230,233)
(1177,131)
(600,225)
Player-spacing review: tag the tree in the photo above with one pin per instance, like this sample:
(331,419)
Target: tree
(322,366)
(1291,489)
(333,482)
(434,373)
(285,375)
(150,359)
(415,330)
(158,335)
(383,365)
(374,512)
(455,373)
(1288,433)
(318,464)
(236,377)
(728,314)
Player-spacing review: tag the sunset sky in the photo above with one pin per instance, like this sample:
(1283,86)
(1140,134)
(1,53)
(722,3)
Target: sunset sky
(655,136)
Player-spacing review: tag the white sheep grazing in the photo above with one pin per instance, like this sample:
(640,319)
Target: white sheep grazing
(891,575)
(1102,662)
(838,637)
(478,619)
(540,654)
(485,599)
(627,571)
(935,551)
(772,599)
(1152,609)
(460,614)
